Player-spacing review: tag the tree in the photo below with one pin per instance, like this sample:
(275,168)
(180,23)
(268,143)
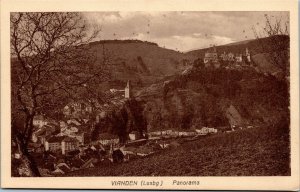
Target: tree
(277,45)
(50,59)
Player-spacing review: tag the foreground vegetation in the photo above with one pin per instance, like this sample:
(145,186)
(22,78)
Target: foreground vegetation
(261,151)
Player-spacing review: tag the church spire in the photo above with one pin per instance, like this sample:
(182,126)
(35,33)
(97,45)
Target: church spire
(127,90)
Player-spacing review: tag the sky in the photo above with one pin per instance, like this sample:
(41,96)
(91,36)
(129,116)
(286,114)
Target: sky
(182,30)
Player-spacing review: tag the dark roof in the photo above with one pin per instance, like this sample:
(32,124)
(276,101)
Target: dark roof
(35,145)
(56,139)
(40,132)
(38,117)
(64,168)
(70,139)
(88,162)
(107,136)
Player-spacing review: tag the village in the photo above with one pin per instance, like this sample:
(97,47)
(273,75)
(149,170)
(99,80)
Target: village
(63,146)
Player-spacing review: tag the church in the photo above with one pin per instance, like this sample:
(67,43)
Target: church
(128,90)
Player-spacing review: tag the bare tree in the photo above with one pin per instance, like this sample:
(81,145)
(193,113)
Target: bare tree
(50,59)
(277,45)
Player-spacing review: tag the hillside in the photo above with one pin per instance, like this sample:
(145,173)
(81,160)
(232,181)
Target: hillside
(141,62)
(214,97)
(201,97)
(261,151)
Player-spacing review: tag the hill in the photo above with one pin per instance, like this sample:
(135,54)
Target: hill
(202,97)
(261,151)
(141,62)
(214,97)
(259,48)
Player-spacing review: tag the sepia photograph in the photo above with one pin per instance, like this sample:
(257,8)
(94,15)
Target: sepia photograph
(179,94)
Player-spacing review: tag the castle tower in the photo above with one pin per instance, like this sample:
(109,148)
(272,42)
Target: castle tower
(248,56)
(214,49)
(127,90)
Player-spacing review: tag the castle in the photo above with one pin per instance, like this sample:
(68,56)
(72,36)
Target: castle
(211,56)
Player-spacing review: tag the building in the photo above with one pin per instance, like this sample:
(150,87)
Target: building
(89,163)
(224,56)
(61,144)
(186,133)
(211,56)
(53,144)
(45,131)
(134,135)
(108,139)
(77,109)
(238,58)
(69,144)
(128,90)
(206,130)
(248,56)
(39,121)
(230,56)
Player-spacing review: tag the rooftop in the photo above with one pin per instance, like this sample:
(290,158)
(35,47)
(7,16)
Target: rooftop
(107,136)
(56,139)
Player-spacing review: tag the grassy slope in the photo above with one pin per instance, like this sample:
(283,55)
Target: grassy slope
(262,151)
(155,62)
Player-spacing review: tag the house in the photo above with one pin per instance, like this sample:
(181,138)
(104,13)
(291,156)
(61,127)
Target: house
(230,56)
(39,121)
(108,139)
(186,133)
(174,133)
(89,163)
(211,56)
(134,135)
(35,147)
(155,133)
(45,131)
(69,144)
(54,143)
(238,58)
(80,137)
(74,121)
(206,130)
(61,168)
(77,108)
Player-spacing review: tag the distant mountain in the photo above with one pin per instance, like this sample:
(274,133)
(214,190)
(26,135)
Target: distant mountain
(141,62)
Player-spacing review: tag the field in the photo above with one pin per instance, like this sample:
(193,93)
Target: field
(261,151)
